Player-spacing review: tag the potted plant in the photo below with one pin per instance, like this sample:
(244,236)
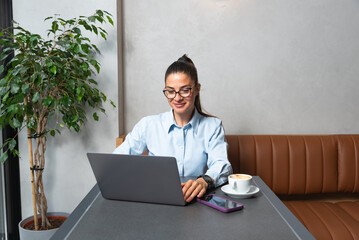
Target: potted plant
(49,77)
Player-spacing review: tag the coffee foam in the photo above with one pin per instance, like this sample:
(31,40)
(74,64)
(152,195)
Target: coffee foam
(239,176)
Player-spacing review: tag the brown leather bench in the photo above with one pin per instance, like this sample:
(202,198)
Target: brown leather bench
(316,176)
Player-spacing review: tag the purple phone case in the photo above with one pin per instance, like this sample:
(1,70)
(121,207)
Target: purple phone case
(220,208)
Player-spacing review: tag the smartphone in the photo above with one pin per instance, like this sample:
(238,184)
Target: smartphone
(220,203)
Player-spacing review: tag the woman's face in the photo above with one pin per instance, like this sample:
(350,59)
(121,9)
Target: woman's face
(182,106)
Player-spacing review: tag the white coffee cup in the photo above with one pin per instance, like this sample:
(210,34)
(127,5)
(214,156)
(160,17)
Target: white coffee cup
(240,183)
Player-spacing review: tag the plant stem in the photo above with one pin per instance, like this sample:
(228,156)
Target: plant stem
(29,143)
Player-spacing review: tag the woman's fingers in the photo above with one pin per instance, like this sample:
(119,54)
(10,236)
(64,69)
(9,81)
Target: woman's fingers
(191,189)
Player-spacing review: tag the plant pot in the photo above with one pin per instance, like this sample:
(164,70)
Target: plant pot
(41,234)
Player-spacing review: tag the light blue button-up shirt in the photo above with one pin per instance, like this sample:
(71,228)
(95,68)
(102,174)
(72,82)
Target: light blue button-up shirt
(199,147)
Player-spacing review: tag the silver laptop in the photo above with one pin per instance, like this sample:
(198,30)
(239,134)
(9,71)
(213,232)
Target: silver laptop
(151,179)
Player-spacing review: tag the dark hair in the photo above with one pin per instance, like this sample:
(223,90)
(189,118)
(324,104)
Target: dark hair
(185,65)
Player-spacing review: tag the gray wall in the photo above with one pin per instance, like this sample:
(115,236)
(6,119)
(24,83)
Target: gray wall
(265,66)
(68,176)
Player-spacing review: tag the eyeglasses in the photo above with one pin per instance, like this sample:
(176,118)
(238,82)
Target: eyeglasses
(184,92)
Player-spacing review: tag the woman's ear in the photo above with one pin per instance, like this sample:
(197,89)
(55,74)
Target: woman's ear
(198,87)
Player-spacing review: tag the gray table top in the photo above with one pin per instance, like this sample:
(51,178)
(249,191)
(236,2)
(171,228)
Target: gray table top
(263,217)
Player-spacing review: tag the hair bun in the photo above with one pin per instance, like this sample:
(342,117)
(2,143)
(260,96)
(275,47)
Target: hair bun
(185,59)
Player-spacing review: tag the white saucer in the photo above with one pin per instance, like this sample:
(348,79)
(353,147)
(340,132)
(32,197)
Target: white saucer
(227,189)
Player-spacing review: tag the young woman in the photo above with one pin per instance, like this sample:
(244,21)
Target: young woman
(193,137)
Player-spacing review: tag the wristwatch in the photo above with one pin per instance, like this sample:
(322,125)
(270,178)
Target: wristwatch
(208,180)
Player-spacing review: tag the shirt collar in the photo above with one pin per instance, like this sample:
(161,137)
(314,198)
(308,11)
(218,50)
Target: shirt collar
(171,123)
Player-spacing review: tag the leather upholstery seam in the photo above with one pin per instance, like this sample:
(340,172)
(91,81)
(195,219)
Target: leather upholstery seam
(272,159)
(306,166)
(356,164)
(238,154)
(320,218)
(323,165)
(296,213)
(346,211)
(255,154)
(339,218)
(289,161)
(338,160)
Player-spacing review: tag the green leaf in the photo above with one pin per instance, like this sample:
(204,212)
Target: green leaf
(107,13)
(85,66)
(103,30)
(92,81)
(85,24)
(77,48)
(92,19)
(53,69)
(3,157)
(55,26)
(77,30)
(3,82)
(96,48)
(80,93)
(99,12)
(85,48)
(103,96)
(97,68)
(110,20)
(37,80)
(113,104)
(16,152)
(6,97)
(100,19)
(103,35)
(12,144)
(47,18)
(72,84)
(62,125)
(13,108)
(15,123)
(33,41)
(93,62)
(75,118)
(49,64)
(47,101)
(1,69)
(33,38)
(95,116)
(94,29)
(4,56)
(25,88)
(37,67)
(66,101)
(36,97)
(52,133)
(76,127)
(17,70)
(14,87)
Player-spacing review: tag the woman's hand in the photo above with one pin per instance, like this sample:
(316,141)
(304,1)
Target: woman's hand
(194,188)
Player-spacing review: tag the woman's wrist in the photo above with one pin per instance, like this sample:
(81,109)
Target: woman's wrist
(208,180)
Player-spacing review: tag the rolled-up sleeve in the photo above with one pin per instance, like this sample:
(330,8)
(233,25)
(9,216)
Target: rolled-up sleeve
(218,165)
(135,142)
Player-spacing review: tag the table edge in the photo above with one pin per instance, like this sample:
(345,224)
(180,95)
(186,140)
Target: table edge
(292,221)
(300,231)
(71,222)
